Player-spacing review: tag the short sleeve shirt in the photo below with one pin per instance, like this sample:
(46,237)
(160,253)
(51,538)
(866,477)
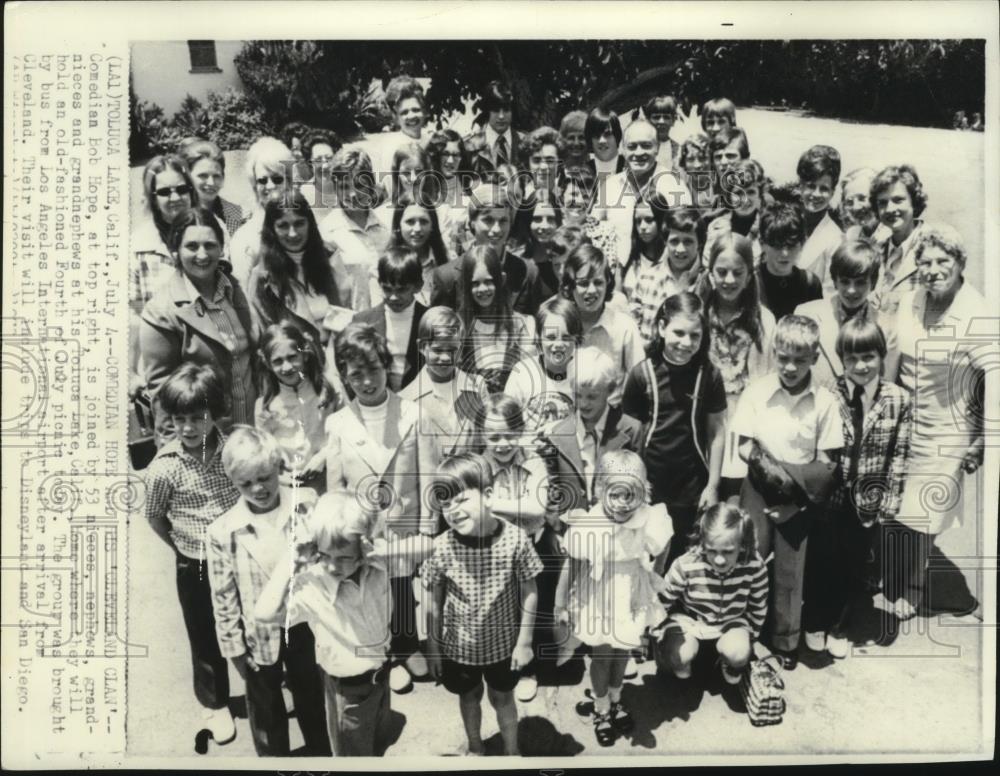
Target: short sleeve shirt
(482,578)
(790,428)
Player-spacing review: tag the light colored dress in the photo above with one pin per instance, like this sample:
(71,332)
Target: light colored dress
(616,600)
(937,365)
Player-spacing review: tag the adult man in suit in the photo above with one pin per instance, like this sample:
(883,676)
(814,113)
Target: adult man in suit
(494,142)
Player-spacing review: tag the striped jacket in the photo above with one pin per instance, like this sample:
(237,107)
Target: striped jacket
(885,447)
(738,599)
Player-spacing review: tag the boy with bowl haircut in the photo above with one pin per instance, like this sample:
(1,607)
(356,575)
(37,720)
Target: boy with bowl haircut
(877,417)
(854,269)
(245,549)
(187,490)
(482,575)
(785,418)
(448,399)
(782,284)
(397,317)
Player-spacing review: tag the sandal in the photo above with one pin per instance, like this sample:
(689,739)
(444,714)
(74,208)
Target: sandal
(620,717)
(604,731)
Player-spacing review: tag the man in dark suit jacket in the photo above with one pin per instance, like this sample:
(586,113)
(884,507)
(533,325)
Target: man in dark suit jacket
(490,219)
(494,141)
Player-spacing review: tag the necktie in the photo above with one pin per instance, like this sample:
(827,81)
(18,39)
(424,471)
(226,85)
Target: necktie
(502,151)
(857,421)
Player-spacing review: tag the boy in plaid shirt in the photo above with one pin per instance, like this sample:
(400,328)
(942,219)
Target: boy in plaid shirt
(482,575)
(187,490)
(877,417)
(245,547)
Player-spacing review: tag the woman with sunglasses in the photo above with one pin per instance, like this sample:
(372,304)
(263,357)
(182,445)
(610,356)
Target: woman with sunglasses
(269,166)
(170,194)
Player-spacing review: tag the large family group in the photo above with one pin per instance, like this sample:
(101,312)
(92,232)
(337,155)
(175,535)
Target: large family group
(474,407)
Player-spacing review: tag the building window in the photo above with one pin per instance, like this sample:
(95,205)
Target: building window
(203,56)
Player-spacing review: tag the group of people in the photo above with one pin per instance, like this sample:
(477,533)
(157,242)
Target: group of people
(471,408)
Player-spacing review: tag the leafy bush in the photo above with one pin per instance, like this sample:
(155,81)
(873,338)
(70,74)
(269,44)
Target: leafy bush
(233,120)
(328,83)
(230,119)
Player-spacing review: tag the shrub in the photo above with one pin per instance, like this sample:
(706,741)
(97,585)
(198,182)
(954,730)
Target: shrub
(233,120)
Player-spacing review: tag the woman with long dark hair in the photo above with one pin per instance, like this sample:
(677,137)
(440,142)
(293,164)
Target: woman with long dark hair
(294,279)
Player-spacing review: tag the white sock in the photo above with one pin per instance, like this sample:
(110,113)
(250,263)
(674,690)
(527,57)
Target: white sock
(602,704)
(615,694)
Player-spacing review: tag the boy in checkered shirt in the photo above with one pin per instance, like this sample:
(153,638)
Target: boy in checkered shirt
(186,490)
(246,547)
(482,575)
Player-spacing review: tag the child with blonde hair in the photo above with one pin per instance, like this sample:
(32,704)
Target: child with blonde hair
(716,591)
(607,590)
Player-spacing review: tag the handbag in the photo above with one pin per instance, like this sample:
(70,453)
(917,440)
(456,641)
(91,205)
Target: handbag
(763,691)
(142,434)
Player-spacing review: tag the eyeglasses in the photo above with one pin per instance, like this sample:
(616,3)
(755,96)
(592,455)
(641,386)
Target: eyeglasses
(451,155)
(277,180)
(182,191)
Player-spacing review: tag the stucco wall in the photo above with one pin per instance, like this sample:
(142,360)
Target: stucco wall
(161,72)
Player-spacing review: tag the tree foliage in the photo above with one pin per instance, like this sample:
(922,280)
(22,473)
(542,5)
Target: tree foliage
(329,83)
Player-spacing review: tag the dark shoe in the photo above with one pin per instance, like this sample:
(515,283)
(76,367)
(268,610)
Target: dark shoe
(789,658)
(604,731)
(620,717)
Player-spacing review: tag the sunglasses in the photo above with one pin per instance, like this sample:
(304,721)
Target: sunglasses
(277,180)
(183,190)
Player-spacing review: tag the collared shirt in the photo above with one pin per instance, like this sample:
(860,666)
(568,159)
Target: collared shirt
(482,579)
(647,284)
(244,549)
(899,271)
(358,248)
(737,599)
(617,335)
(867,394)
(349,617)
(188,493)
(296,421)
(223,315)
(818,250)
(790,428)
(620,197)
(152,263)
(491,142)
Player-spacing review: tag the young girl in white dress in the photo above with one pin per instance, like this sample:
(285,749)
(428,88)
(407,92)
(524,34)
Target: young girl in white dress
(607,591)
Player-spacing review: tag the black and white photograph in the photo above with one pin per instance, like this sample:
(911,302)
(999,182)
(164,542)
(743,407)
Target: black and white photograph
(529,391)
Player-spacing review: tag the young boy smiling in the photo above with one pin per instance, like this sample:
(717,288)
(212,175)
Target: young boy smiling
(482,575)
(795,422)
(877,417)
(245,548)
(188,490)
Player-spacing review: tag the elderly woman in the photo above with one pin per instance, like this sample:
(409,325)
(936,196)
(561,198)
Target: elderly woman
(943,357)
(199,314)
(572,130)
(269,165)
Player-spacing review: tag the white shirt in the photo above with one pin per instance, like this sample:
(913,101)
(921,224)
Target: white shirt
(617,334)
(244,251)
(603,168)
(397,335)
(620,199)
(374,419)
(491,142)
(357,248)
(818,251)
(350,619)
(790,428)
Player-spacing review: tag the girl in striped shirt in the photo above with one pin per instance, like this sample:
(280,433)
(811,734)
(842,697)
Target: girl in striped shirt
(716,591)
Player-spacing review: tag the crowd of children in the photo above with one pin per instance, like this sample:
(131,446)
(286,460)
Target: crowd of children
(491,436)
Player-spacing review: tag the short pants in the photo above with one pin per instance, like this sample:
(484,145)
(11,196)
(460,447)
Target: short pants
(460,678)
